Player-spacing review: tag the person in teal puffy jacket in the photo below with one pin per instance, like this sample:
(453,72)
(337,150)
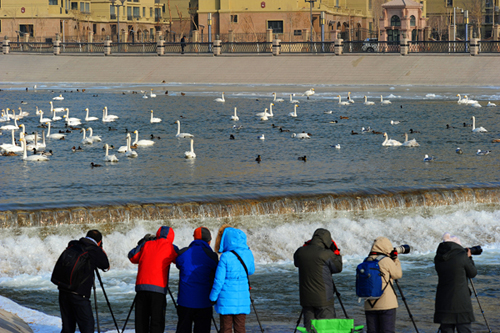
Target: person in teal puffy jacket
(231,290)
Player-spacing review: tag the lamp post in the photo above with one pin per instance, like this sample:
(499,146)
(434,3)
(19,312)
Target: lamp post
(455,22)
(117,6)
(323,21)
(311,4)
(209,22)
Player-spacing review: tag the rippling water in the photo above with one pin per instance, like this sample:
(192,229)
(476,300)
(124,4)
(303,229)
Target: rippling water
(287,198)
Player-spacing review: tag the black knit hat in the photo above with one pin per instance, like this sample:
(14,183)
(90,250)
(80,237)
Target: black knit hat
(95,235)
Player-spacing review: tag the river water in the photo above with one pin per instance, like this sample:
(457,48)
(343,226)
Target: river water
(359,192)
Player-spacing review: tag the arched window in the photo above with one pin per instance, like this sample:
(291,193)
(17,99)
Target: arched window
(412,21)
(395,21)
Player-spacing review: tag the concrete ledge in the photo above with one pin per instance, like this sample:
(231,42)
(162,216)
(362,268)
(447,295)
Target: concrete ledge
(10,323)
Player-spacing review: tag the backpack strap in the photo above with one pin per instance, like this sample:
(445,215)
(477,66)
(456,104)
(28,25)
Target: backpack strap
(244,266)
(378,258)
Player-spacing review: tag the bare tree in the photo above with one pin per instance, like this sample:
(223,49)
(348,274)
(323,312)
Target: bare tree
(476,9)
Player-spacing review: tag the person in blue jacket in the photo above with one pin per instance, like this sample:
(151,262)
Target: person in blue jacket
(231,287)
(196,264)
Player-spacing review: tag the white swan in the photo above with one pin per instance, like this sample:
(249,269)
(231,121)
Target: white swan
(57,136)
(14,127)
(32,157)
(106,119)
(7,146)
(109,158)
(220,99)
(342,103)
(142,142)
(110,116)
(71,121)
(476,105)
(123,149)
(302,135)
(145,96)
(390,142)
(470,101)
(94,138)
(58,98)
(349,99)
(235,117)
(53,109)
(130,153)
(479,129)
(30,137)
(395,122)
(294,113)
(151,94)
(37,145)
(293,100)
(85,140)
(44,120)
(261,137)
(384,101)
(368,102)
(411,143)
(23,113)
(4,118)
(154,120)
(271,110)
(265,115)
(277,99)
(87,118)
(309,93)
(182,135)
(190,154)
(491,104)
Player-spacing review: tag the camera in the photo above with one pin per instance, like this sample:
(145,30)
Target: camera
(475,250)
(402,249)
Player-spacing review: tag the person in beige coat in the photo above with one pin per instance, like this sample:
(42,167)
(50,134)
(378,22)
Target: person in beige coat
(381,313)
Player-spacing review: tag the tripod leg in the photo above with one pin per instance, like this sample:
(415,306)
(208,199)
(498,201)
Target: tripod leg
(477,298)
(128,316)
(340,300)
(404,301)
(107,300)
(97,312)
(254,310)
(298,320)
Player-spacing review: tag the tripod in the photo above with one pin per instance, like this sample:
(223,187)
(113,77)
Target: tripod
(475,293)
(107,301)
(404,301)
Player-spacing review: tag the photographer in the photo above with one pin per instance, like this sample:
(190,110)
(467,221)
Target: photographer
(317,260)
(454,265)
(381,313)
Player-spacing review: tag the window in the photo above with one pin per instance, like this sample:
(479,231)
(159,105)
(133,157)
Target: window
(150,11)
(143,11)
(395,21)
(53,2)
(26,29)
(370,4)
(393,35)
(74,6)
(129,13)
(234,18)
(337,3)
(137,12)
(112,14)
(277,26)
(87,7)
(449,3)
(412,21)
(297,32)
(157,14)
(370,26)
(82,6)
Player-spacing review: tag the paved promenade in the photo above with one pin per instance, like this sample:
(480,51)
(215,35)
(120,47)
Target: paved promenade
(365,69)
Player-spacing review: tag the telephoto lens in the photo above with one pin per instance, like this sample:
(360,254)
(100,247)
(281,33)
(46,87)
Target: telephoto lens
(402,249)
(476,250)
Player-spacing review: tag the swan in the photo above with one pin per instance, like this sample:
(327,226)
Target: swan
(30,137)
(476,105)
(154,120)
(411,143)
(293,100)
(58,98)
(479,129)
(390,142)
(94,138)
(145,96)
(337,146)
(53,109)
(151,94)
(6,146)
(277,99)
(130,153)
(271,110)
(182,135)
(142,142)
(23,113)
(44,120)
(220,99)
(470,101)
(110,116)
(349,99)
(109,158)
(395,122)
(105,118)
(190,154)
(14,148)
(302,135)
(261,137)
(123,149)
(55,135)
(309,93)
(342,103)
(265,113)
(235,117)
(32,157)
(491,104)
(85,140)
(87,118)
(71,121)
(14,127)
(264,117)
(368,102)
(384,102)
(36,144)
(294,113)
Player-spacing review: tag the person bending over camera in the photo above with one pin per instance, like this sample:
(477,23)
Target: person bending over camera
(381,313)
(454,265)
(317,260)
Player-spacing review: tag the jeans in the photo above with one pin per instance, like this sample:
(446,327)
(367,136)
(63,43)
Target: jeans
(381,321)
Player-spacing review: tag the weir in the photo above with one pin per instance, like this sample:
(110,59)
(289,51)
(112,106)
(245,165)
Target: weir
(225,207)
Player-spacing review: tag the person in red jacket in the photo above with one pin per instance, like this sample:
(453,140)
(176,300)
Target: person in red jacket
(154,256)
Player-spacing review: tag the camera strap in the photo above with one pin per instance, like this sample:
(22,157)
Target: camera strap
(244,266)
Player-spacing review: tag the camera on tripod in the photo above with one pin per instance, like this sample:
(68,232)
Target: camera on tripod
(475,250)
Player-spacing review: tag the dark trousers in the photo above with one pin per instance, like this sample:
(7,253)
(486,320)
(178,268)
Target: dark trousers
(200,317)
(381,321)
(312,312)
(150,312)
(450,328)
(228,321)
(75,309)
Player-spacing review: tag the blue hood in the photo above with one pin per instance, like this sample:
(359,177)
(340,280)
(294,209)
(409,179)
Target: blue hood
(233,239)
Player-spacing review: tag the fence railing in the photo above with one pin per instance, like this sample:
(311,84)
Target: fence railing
(37,47)
(243,47)
(489,47)
(307,47)
(82,48)
(439,47)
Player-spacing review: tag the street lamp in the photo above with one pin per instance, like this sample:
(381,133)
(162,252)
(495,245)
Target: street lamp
(455,22)
(311,3)
(117,6)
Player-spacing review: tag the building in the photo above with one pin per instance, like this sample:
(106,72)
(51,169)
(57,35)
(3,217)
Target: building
(402,19)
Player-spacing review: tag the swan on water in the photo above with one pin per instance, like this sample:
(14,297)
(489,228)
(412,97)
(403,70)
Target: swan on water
(57,136)
(36,144)
(384,101)
(349,99)
(491,104)
(14,127)
(476,105)
(390,142)
(277,99)
(53,109)
(12,147)
(309,93)
(145,96)
(123,149)
(337,146)
(293,100)
(342,103)
(142,142)
(294,113)
(110,116)
(44,120)
(190,154)
(395,122)
(182,135)
(32,157)
(265,113)
(30,137)
(470,101)
(154,120)
(410,143)
(109,158)
(87,118)
(220,99)
(302,135)
(71,121)
(58,98)
(151,94)
(94,138)
(23,113)
(479,129)
(235,117)
(85,140)
(368,102)
(261,137)
(105,119)
(130,153)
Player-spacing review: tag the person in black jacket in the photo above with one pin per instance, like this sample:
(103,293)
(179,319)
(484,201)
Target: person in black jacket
(317,260)
(454,266)
(183,44)
(75,305)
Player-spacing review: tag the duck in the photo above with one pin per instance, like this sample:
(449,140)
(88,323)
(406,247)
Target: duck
(87,118)
(337,146)
(309,93)
(479,129)
(491,104)
(44,153)
(182,135)
(366,130)
(344,117)
(482,152)
(58,98)
(459,150)
(495,140)
(151,94)
(302,135)
(142,142)
(94,138)
(107,157)
(428,159)
(333,121)
(235,117)
(44,120)
(32,157)
(284,130)
(384,101)
(111,128)
(130,152)
(231,137)
(277,99)
(390,142)
(354,133)
(154,120)
(413,132)
(342,103)
(93,165)
(293,100)
(328,112)
(74,149)
(190,154)
(237,127)
(220,99)
(410,143)
(294,113)
(349,99)
(56,136)
(302,158)
(261,137)
(368,102)
(258,159)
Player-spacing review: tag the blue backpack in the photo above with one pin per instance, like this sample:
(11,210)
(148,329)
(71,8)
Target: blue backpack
(369,279)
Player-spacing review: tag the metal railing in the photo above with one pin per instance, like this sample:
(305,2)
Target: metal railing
(307,47)
(133,48)
(38,47)
(82,47)
(489,47)
(242,47)
(438,47)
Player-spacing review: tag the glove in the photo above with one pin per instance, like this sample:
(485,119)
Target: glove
(213,302)
(394,254)
(335,248)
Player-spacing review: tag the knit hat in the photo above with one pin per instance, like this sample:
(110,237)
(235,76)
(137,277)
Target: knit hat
(95,235)
(449,238)
(203,234)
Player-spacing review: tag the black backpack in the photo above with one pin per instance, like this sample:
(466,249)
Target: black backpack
(73,267)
